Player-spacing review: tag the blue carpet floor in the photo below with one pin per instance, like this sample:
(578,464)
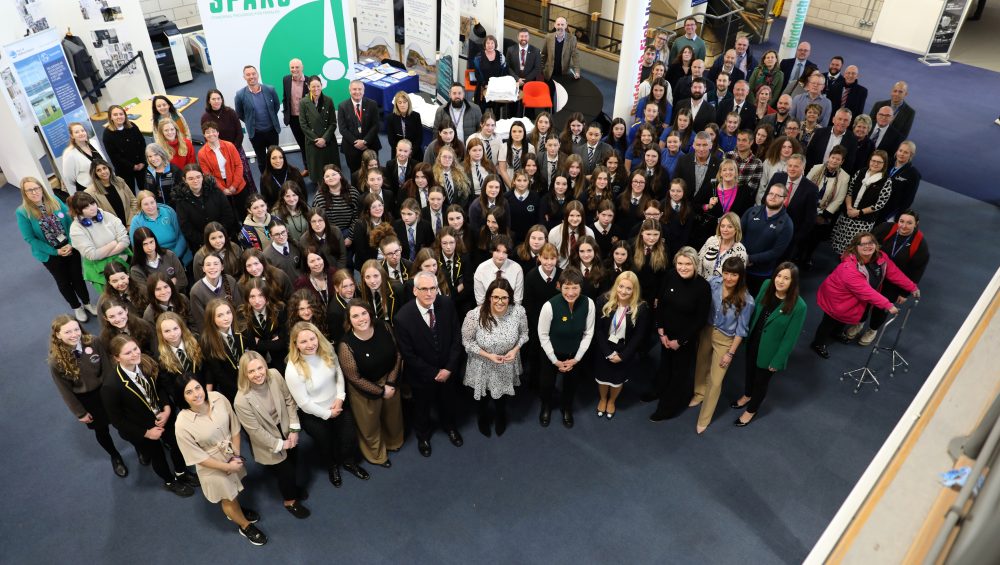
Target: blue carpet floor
(625,490)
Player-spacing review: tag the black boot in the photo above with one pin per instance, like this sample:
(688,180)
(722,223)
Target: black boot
(501,417)
(545,416)
(484,416)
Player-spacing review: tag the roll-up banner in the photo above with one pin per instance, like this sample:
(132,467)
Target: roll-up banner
(420,48)
(376,36)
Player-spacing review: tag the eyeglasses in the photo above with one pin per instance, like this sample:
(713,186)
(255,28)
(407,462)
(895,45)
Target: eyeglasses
(426,288)
(499,298)
(396,252)
(33,190)
(276,233)
(867,244)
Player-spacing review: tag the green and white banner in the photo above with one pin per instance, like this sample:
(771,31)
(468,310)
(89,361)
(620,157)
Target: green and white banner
(269,33)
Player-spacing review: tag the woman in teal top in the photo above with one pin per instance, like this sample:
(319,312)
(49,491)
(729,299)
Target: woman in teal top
(44,223)
(162,220)
(774,329)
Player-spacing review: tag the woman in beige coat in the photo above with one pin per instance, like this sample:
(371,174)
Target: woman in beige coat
(269,414)
(111,192)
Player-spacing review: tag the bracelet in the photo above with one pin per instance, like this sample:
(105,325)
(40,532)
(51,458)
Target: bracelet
(729,353)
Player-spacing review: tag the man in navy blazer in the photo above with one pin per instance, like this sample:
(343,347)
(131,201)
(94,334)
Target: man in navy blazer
(857,95)
(796,64)
(360,121)
(903,113)
(820,144)
(532,67)
(263,130)
(428,333)
(801,198)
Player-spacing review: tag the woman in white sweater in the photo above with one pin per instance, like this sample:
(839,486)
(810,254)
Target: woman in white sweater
(100,237)
(317,384)
(77,157)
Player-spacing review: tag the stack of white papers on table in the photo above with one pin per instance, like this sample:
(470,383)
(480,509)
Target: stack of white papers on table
(501,89)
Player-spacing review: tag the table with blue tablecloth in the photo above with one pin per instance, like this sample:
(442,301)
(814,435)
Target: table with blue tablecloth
(383,88)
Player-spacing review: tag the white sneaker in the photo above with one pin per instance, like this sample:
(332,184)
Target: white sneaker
(997,121)
(868,338)
(853,331)
(81,315)
(91,309)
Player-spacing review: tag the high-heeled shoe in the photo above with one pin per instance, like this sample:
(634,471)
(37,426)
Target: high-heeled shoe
(736,404)
(821,350)
(739,423)
(700,429)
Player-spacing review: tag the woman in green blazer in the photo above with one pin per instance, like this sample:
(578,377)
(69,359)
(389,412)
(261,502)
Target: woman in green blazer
(44,222)
(318,119)
(774,330)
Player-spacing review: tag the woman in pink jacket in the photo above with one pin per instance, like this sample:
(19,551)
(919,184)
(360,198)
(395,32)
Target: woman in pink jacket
(853,286)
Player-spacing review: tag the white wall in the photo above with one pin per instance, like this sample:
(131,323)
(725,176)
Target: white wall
(907,24)
(184,13)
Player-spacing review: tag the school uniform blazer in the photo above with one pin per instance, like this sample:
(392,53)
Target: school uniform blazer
(127,409)
(266,434)
(636,333)
(459,274)
(422,358)
(392,177)
(781,331)
(423,236)
(222,374)
(264,337)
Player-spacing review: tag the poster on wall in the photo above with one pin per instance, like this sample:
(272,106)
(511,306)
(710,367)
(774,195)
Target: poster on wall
(269,35)
(16,94)
(31,12)
(43,72)
(420,47)
(111,53)
(375,29)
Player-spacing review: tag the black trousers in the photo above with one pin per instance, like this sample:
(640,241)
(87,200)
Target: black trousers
(337,437)
(153,451)
(757,379)
(828,327)
(353,158)
(818,234)
(754,282)
(287,474)
(68,273)
(499,403)
(300,138)
(92,403)
(260,141)
(675,379)
(547,381)
(878,315)
(437,396)
(135,180)
(238,202)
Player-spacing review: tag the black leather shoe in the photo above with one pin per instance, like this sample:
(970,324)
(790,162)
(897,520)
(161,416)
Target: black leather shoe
(358,471)
(484,427)
(735,405)
(119,465)
(545,416)
(425,447)
(387,464)
(657,417)
(189,479)
(821,351)
(501,424)
(335,476)
(180,489)
(297,510)
(143,460)
(567,419)
(651,396)
(741,424)
(455,438)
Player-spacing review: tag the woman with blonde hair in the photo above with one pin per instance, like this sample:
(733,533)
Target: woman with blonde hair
(45,222)
(175,143)
(619,335)
(451,177)
(404,123)
(126,147)
(268,413)
(317,384)
(178,350)
(77,157)
(724,244)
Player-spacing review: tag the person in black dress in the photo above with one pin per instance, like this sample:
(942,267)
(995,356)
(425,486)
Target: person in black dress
(680,315)
(620,330)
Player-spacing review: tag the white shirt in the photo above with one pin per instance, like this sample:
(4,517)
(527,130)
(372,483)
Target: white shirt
(834,141)
(316,395)
(221,159)
(425,313)
(486,272)
(555,238)
(545,324)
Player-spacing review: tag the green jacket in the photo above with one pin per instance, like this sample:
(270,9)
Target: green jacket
(781,332)
(318,121)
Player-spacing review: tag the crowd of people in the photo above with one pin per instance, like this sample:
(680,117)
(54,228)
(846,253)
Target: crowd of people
(479,265)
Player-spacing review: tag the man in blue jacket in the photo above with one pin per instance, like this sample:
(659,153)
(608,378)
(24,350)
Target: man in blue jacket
(257,105)
(767,231)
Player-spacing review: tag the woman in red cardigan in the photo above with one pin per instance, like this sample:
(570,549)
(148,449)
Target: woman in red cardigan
(221,159)
(855,284)
(177,145)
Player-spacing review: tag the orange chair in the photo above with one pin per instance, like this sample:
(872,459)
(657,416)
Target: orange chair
(469,75)
(536,95)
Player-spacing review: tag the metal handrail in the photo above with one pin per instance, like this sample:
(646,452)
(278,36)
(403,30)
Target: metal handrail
(671,31)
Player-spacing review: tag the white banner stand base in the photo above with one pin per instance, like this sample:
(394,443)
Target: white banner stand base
(934,60)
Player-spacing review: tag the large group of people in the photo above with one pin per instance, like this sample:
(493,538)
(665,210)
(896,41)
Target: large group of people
(480,263)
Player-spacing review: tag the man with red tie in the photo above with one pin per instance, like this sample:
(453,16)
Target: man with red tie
(360,122)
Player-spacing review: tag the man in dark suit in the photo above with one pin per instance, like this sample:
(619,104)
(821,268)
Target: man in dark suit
(428,333)
(801,197)
(825,139)
(903,113)
(702,111)
(849,93)
(726,64)
(834,77)
(400,169)
(740,105)
(883,135)
(524,61)
(745,60)
(293,87)
(794,67)
(360,122)
(699,158)
(594,151)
